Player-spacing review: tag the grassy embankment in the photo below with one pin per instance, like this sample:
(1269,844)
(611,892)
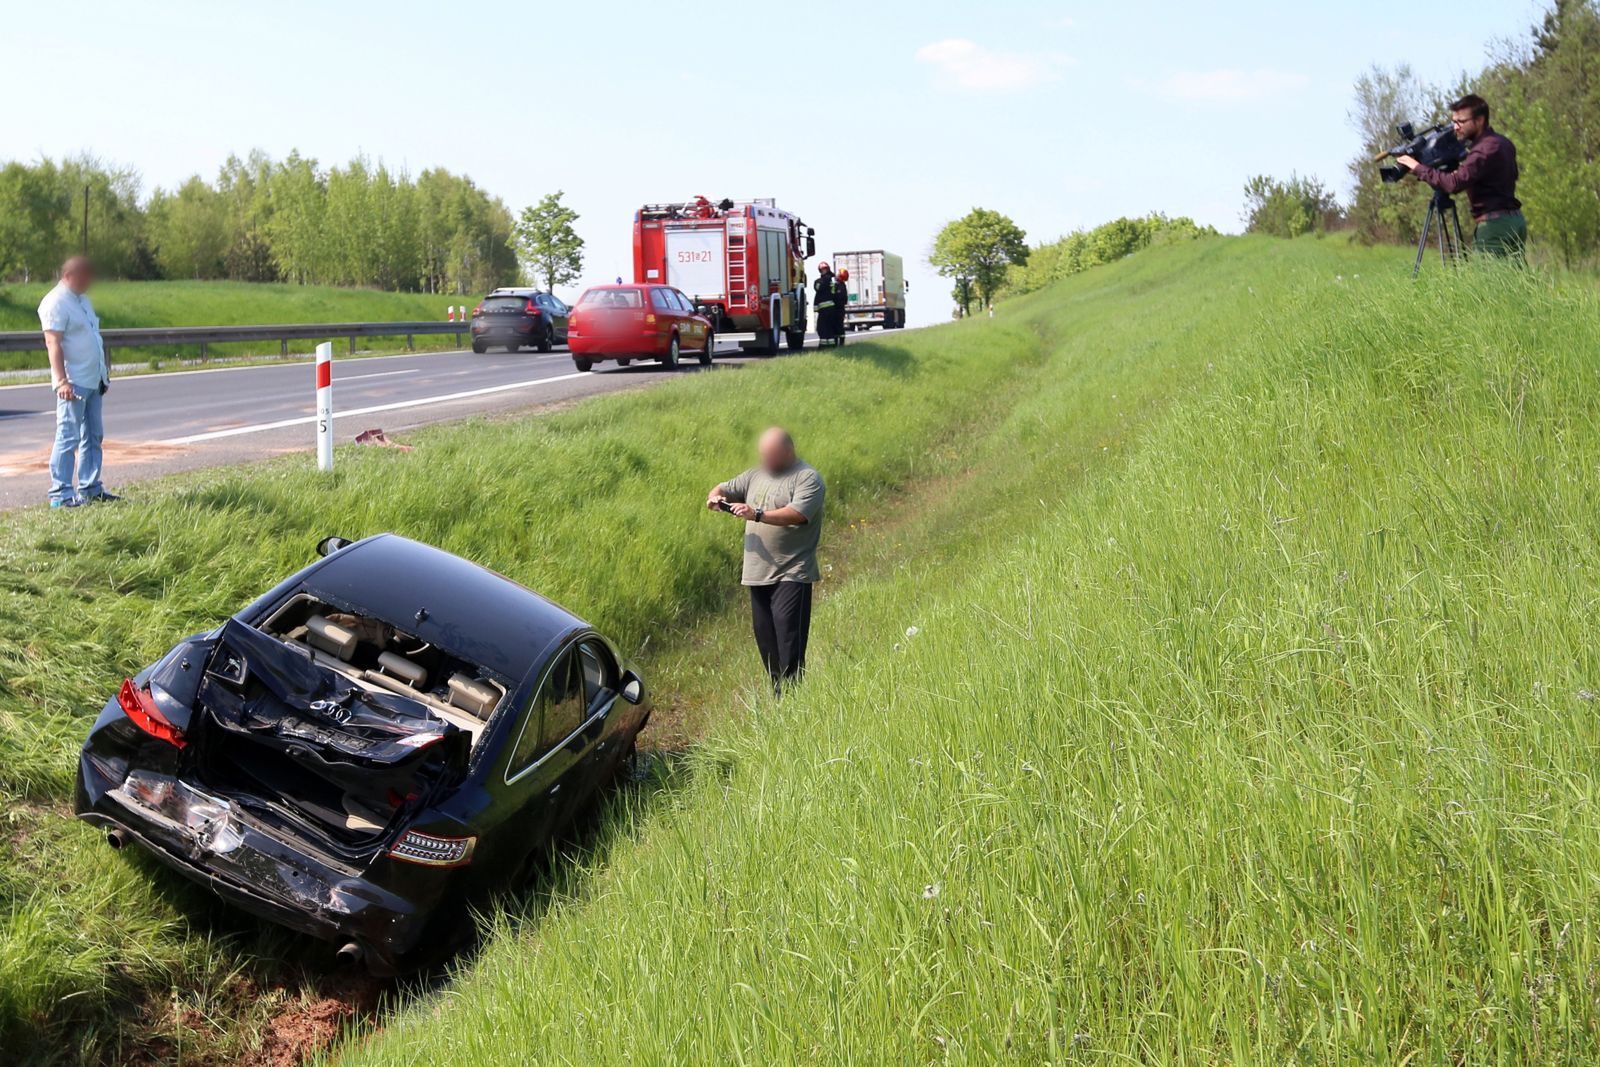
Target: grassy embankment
(1259,727)
(1210,681)
(128,304)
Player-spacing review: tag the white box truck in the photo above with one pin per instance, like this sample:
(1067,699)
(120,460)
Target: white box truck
(877,287)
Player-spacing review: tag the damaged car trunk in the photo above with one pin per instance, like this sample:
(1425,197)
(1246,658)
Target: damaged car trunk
(372,742)
(313,748)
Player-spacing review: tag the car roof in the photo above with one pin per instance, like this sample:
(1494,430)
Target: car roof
(441,598)
(511,291)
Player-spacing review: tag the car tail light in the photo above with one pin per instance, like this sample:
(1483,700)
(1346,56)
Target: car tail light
(140,708)
(650,318)
(431,851)
(477,310)
(530,309)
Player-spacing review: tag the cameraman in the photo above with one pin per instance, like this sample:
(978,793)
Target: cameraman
(1489,177)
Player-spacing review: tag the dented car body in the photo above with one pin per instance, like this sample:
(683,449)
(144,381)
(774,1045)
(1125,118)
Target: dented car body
(364,747)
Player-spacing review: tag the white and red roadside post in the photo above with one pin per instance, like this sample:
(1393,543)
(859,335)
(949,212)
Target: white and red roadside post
(325,406)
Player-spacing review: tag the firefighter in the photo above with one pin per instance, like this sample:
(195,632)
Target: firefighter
(841,303)
(824,303)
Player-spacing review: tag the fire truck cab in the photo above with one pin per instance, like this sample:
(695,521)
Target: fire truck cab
(743,263)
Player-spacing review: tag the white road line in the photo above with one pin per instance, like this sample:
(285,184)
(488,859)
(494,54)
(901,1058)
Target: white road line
(237,431)
(276,365)
(380,374)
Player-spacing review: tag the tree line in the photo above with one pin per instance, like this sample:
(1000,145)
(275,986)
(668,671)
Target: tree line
(1544,94)
(260,220)
(987,255)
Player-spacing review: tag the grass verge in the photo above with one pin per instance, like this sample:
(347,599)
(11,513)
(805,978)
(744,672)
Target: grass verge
(1237,706)
(598,507)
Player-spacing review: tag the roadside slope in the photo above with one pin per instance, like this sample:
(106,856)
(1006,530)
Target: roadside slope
(598,507)
(1246,719)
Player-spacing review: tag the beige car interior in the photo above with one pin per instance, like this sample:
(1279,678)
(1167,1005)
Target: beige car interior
(348,643)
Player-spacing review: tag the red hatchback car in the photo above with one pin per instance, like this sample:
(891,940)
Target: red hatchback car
(628,322)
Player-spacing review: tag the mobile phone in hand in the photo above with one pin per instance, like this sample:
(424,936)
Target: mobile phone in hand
(723,505)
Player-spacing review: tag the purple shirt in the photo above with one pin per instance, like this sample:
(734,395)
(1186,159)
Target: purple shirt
(1488,174)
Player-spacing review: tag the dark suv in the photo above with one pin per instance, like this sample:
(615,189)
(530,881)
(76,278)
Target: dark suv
(518,317)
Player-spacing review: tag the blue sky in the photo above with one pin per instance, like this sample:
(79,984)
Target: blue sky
(1061,115)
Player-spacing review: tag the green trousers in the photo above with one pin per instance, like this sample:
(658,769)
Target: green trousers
(1505,237)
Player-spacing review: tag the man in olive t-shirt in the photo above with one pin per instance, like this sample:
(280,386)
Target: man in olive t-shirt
(781,503)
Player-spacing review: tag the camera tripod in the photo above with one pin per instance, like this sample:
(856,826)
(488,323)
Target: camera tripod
(1441,209)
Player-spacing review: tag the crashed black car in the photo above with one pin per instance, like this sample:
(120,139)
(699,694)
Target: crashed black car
(360,750)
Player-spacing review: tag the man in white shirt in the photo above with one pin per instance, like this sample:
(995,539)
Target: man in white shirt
(80,377)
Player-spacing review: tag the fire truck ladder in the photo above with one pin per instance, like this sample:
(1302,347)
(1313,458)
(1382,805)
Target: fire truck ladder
(738,279)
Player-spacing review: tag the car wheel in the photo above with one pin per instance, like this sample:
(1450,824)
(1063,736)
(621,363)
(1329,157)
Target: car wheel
(624,361)
(479,348)
(670,360)
(708,353)
(548,341)
(583,364)
(796,340)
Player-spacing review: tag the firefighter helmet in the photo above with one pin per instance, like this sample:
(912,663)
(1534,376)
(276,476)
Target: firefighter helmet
(823,266)
(844,274)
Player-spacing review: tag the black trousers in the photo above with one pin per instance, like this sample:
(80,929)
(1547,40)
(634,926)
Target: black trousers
(781,614)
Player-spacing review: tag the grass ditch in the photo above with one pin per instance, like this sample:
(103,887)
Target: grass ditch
(598,506)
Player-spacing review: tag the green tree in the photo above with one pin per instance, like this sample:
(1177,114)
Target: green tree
(977,249)
(548,242)
(34,206)
(1288,208)
(188,231)
(1382,211)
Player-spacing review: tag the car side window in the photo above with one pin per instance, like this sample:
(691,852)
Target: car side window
(659,298)
(683,302)
(599,672)
(557,710)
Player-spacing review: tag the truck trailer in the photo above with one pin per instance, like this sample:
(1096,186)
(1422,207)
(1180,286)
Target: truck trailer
(743,263)
(877,287)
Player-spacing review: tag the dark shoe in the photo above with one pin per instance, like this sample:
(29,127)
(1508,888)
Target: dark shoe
(102,497)
(66,502)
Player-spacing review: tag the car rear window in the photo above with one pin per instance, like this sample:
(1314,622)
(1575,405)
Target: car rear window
(611,298)
(505,303)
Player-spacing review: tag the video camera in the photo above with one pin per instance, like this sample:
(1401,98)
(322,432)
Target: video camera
(1436,147)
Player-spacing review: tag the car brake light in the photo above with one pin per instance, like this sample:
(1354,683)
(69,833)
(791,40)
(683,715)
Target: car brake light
(478,310)
(431,851)
(140,708)
(650,318)
(530,309)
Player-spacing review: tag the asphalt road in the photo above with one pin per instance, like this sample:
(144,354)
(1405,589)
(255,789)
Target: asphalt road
(162,423)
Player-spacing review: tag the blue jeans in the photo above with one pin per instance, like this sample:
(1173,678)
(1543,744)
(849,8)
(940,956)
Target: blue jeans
(79,432)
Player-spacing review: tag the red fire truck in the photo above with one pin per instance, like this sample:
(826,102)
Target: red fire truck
(745,263)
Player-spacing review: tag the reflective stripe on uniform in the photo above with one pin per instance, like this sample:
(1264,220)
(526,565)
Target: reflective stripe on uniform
(825,304)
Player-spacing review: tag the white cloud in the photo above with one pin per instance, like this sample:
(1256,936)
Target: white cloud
(1228,86)
(970,65)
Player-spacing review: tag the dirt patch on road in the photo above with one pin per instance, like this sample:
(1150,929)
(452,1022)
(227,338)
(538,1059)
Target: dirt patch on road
(14,463)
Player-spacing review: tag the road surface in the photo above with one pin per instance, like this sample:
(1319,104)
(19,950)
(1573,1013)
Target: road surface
(162,423)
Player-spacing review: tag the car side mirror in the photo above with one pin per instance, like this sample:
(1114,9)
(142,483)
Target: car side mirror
(632,688)
(329,545)
(811,247)
(703,309)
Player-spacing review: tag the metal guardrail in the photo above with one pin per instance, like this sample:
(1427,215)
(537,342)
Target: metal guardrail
(204,336)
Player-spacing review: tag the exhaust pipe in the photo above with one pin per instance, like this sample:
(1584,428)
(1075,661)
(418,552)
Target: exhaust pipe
(116,838)
(349,954)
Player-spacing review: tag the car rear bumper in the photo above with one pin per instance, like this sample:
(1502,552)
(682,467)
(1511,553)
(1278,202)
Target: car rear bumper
(618,346)
(258,870)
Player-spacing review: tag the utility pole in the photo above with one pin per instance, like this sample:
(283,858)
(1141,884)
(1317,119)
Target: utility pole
(83,247)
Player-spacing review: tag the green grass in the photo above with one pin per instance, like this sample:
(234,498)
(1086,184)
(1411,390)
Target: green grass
(130,304)
(1205,677)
